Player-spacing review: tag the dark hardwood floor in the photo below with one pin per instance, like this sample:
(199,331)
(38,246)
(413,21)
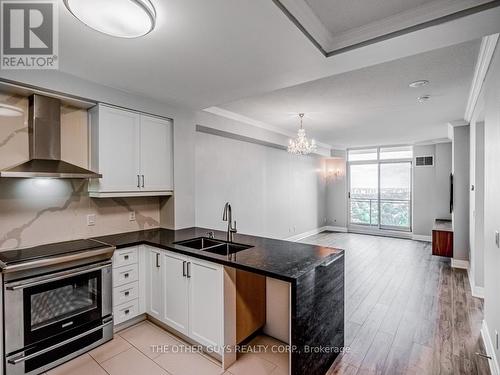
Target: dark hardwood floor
(407,312)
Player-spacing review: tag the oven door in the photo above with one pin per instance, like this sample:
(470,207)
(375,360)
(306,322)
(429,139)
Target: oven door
(45,306)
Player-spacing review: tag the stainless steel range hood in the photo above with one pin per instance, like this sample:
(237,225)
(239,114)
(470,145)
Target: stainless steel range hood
(45,144)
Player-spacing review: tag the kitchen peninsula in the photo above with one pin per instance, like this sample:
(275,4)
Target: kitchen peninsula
(315,275)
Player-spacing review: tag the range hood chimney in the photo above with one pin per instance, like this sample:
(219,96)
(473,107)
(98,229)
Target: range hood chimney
(44,131)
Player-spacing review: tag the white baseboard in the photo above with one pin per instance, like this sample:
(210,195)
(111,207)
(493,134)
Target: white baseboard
(459,263)
(478,292)
(493,362)
(336,229)
(312,232)
(420,237)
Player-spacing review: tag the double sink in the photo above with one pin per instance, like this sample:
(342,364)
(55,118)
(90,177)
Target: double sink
(213,246)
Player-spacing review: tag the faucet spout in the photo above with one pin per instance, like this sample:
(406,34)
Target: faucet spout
(227,216)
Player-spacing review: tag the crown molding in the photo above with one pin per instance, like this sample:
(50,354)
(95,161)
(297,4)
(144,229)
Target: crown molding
(250,121)
(486,51)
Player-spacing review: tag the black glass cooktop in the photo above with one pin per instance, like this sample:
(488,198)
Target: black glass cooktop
(10,257)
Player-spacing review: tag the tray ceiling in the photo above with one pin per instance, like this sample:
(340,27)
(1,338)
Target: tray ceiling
(341,25)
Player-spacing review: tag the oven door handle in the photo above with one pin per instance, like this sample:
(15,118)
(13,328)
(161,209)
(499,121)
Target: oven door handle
(22,358)
(43,280)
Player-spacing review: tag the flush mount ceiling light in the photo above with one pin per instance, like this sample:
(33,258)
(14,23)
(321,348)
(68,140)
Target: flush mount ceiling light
(119,18)
(10,111)
(301,145)
(419,83)
(423,98)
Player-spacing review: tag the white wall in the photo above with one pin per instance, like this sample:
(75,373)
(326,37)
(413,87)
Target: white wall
(431,196)
(272,193)
(476,209)
(336,190)
(491,97)
(461,187)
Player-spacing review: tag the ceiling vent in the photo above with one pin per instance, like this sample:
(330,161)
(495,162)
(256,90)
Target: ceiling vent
(424,161)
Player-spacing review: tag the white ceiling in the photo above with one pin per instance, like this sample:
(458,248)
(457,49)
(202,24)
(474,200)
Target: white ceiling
(374,105)
(343,24)
(204,53)
(342,15)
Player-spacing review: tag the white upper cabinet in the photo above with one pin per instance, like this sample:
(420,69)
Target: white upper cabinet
(156,154)
(132,151)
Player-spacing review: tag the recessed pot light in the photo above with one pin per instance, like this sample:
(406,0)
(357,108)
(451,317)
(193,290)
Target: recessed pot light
(419,83)
(423,98)
(119,18)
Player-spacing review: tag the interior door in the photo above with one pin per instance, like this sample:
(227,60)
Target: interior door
(154,284)
(395,195)
(156,154)
(175,281)
(363,194)
(119,149)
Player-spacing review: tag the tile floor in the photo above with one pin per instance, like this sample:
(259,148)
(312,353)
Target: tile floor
(131,353)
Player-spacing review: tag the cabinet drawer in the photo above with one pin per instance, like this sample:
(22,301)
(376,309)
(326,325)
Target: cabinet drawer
(125,293)
(125,257)
(126,311)
(126,274)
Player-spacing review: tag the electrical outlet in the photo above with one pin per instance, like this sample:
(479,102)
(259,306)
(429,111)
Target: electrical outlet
(91,220)
(497,239)
(131,216)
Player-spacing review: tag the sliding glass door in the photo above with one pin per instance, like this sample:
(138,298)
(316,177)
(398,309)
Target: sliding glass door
(395,195)
(380,188)
(364,194)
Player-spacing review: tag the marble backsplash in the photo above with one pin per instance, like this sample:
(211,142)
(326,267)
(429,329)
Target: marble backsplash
(38,211)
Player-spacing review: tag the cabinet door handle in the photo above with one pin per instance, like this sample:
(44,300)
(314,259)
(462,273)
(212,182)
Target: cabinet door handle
(157,260)
(142,180)
(138,181)
(184,268)
(188,269)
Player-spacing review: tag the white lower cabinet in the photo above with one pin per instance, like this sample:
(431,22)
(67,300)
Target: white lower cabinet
(205,302)
(128,276)
(186,294)
(154,283)
(175,291)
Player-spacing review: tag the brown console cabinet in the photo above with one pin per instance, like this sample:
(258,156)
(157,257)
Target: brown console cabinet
(442,238)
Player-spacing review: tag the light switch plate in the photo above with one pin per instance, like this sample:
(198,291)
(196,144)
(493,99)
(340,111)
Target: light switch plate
(497,239)
(131,216)
(91,220)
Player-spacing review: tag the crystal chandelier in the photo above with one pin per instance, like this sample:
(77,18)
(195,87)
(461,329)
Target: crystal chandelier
(301,145)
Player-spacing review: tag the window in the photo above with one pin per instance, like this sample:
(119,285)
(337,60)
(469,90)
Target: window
(361,155)
(399,152)
(380,187)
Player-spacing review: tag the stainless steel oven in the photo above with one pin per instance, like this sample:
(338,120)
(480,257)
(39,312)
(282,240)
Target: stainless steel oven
(56,316)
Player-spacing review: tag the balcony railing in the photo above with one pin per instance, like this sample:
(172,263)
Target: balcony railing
(394,213)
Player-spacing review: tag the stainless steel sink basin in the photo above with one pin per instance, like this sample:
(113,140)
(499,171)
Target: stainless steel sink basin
(213,246)
(227,248)
(199,243)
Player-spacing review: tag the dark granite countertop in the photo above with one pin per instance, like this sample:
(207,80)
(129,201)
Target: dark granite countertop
(280,259)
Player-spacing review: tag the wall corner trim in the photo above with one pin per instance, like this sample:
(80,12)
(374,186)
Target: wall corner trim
(488,44)
(459,263)
(488,344)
